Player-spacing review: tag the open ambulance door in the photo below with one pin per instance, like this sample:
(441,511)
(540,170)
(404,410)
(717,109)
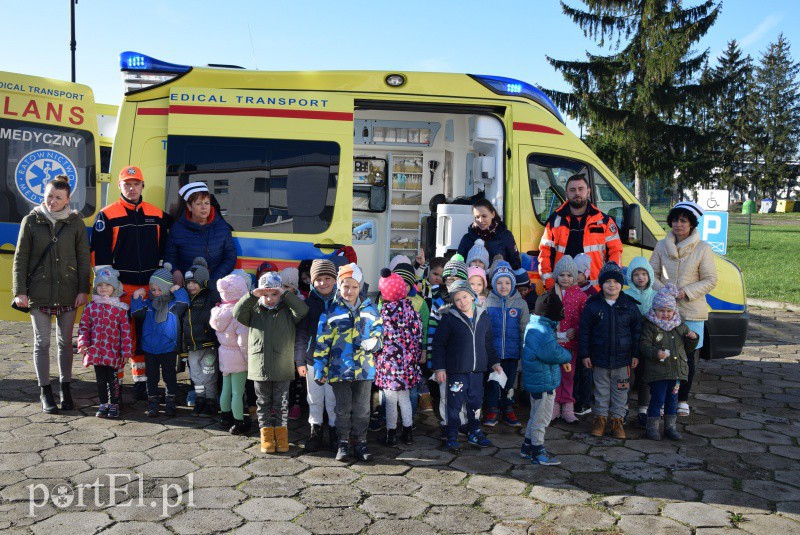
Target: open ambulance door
(280,163)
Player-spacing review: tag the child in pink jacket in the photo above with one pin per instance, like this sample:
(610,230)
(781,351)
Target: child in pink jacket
(104,338)
(232,337)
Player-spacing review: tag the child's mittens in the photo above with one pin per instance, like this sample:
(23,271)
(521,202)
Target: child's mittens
(369,344)
(567,367)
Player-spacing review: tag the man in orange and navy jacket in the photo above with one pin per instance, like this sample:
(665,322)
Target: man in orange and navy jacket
(130,236)
(578,227)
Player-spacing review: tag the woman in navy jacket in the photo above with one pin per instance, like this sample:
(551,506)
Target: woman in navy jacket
(497,238)
(200,232)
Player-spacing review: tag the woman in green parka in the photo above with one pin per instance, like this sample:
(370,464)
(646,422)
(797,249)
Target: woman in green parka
(57,286)
(665,344)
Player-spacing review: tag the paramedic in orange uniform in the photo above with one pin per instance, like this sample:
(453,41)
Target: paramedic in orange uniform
(578,227)
(130,235)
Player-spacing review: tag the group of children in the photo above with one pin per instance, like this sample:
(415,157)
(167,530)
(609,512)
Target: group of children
(458,331)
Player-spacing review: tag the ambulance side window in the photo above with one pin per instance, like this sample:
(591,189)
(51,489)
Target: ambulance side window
(607,199)
(547,178)
(268,185)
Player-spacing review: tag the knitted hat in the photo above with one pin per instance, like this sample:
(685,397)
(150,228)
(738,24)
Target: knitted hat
(461,286)
(583,263)
(503,269)
(455,268)
(291,277)
(348,253)
(198,272)
(522,277)
(495,259)
(322,266)
(270,280)
(350,271)
(107,275)
(691,207)
(406,272)
(248,278)
(339,261)
(477,272)
(610,271)
(398,259)
(549,306)
(191,188)
(665,298)
(162,277)
(565,264)
(478,252)
(392,286)
(264,267)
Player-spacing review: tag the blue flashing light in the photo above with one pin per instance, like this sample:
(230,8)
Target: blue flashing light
(134,61)
(509,86)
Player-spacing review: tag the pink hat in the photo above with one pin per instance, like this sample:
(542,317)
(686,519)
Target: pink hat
(392,286)
(477,272)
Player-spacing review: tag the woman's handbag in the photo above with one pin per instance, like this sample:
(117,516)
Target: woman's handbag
(14,304)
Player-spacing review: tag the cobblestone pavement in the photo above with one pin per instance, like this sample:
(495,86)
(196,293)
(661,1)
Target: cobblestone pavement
(735,471)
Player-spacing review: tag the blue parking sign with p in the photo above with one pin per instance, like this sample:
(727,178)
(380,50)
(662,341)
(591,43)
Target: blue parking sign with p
(713,228)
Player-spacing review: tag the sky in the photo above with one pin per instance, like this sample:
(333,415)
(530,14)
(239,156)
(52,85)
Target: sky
(507,38)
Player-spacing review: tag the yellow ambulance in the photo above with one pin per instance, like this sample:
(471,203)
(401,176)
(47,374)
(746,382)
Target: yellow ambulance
(47,128)
(303,163)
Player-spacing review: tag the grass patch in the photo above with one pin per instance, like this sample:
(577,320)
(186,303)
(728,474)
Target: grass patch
(769,264)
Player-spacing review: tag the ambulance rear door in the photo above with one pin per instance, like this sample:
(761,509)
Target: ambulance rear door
(280,163)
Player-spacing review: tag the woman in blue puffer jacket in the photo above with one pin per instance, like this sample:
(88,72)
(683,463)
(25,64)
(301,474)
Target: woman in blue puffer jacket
(200,232)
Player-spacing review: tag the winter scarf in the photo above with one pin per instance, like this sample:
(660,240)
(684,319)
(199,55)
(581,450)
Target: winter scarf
(488,233)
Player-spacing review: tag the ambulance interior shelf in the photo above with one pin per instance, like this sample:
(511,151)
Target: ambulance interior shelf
(369,184)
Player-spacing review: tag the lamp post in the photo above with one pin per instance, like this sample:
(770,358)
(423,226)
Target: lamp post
(72,43)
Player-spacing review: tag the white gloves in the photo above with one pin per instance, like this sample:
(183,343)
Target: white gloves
(369,344)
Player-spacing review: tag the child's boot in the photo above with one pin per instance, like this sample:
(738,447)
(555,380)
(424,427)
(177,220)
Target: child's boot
(170,408)
(281,439)
(48,402)
(526,449)
(113,411)
(652,428)
(343,451)
(102,411)
(391,437)
(225,419)
(67,404)
(267,440)
(616,428)
(670,427)
(509,418)
(152,406)
(406,436)
(556,411)
(599,426)
(568,413)
(314,440)
(239,427)
(491,417)
(362,452)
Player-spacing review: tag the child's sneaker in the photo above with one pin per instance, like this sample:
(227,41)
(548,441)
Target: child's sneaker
(477,438)
(113,411)
(544,457)
(581,409)
(362,452)
(452,445)
(294,412)
(191,398)
(641,420)
(491,417)
(375,423)
(510,419)
(343,452)
(526,450)
(102,411)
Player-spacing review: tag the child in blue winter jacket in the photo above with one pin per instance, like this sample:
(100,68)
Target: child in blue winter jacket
(639,279)
(161,334)
(509,314)
(542,358)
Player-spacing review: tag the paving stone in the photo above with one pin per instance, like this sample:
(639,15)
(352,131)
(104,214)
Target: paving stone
(76,522)
(320,458)
(534,474)
(737,423)
(394,526)
(425,457)
(270,509)
(80,436)
(139,429)
(565,447)
(219,476)
(9,477)
(270,528)
(334,521)
(666,491)
(115,460)
(52,469)
(560,495)
(767,461)
(736,502)
(496,485)
(447,495)
(331,496)
(771,489)
(385,506)
(700,480)
(789,510)
(512,507)
(19,461)
(714,398)
(171,468)
(616,454)
(480,465)
(602,484)
(581,464)
(457,519)
(653,446)
(326,475)
(27,444)
(126,444)
(710,430)
(738,445)
(387,485)
(136,528)
(674,461)
(217,498)
(766,437)
(131,509)
(511,527)
(652,525)
(228,442)
(638,471)
(273,487)
(387,468)
(761,524)
(182,436)
(46,429)
(697,514)
(579,518)
(175,451)
(204,521)
(275,467)
(631,505)
(436,476)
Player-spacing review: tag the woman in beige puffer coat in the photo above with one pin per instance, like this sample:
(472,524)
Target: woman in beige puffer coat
(686,261)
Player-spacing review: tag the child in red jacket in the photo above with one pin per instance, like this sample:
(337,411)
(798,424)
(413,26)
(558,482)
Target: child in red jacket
(104,338)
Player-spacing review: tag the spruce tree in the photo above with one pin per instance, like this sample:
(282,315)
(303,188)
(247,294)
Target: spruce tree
(777,106)
(632,98)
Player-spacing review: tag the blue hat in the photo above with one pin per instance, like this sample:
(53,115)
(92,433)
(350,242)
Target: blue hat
(503,269)
(610,271)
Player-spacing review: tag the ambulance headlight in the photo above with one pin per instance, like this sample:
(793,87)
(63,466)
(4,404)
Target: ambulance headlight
(395,80)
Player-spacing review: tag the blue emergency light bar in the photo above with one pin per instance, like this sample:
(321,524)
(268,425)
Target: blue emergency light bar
(134,61)
(511,87)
